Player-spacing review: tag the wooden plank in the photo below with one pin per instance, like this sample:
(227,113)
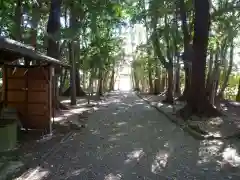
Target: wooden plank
(50,106)
(20,108)
(22,89)
(38,85)
(18,96)
(40,97)
(37,73)
(22,102)
(16,72)
(16,84)
(37,109)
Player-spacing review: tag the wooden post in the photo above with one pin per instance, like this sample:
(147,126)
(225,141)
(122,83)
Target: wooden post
(51,94)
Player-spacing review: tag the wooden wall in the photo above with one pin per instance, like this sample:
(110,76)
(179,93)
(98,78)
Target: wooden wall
(29,91)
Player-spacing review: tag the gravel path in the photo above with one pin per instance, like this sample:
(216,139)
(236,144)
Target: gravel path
(127,139)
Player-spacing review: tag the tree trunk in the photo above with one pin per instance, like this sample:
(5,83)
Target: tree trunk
(150,80)
(209,76)
(163,81)
(136,81)
(111,83)
(53,27)
(214,80)
(157,81)
(100,83)
(17,30)
(197,102)
(105,81)
(62,81)
(84,80)
(72,74)
(221,93)
(169,95)
(177,76)
(187,54)
(238,94)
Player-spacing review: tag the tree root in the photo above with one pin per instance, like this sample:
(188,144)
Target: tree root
(168,101)
(182,98)
(205,110)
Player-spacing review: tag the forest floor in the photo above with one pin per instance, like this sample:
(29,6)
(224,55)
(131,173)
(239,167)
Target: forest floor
(128,139)
(34,146)
(227,126)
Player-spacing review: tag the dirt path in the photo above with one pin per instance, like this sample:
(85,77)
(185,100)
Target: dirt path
(127,139)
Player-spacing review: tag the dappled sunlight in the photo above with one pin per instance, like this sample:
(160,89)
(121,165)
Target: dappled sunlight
(121,123)
(76,172)
(65,114)
(37,173)
(231,156)
(139,126)
(121,134)
(216,121)
(160,161)
(113,177)
(209,150)
(95,131)
(116,137)
(113,138)
(135,155)
(76,111)
(140,103)
(45,138)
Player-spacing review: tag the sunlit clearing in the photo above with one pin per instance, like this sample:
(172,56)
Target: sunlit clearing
(231,156)
(160,162)
(123,82)
(208,150)
(113,177)
(34,174)
(134,155)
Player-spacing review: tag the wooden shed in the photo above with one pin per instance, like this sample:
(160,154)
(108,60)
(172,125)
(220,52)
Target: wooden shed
(28,88)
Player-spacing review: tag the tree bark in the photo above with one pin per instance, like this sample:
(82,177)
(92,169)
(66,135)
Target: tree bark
(53,27)
(62,81)
(169,95)
(136,81)
(17,30)
(100,83)
(163,81)
(150,80)
(177,76)
(72,74)
(209,76)
(187,54)
(238,94)
(157,81)
(111,85)
(214,80)
(224,86)
(197,102)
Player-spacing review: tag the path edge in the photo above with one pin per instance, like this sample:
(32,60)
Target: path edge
(185,126)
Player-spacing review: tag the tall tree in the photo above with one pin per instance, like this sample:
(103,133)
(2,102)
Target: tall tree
(197,102)
(53,27)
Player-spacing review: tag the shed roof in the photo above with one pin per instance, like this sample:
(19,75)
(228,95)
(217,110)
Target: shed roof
(11,50)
